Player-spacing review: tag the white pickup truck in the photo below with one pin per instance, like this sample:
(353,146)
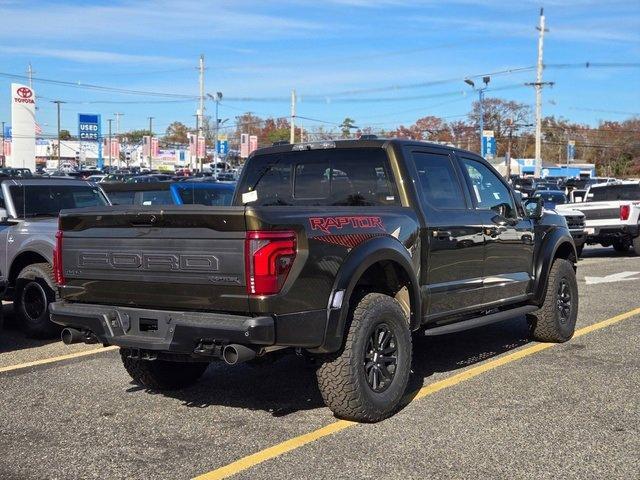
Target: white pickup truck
(612,213)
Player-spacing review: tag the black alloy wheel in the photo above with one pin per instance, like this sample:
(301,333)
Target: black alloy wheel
(380,358)
(35,301)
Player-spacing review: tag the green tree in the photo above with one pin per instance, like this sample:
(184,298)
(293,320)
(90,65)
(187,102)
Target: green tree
(346,126)
(65,135)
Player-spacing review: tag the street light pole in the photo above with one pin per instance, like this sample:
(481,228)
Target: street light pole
(109,141)
(3,144)
(480,91)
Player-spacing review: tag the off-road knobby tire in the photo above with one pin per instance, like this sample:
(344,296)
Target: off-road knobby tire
(620,246)
(162,374)
(341,376)
(39,277)
(546,324)
(636,245)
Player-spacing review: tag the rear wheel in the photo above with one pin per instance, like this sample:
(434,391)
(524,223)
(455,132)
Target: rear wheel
(35,291)
(636,245)
(162,374)
(556,320)
(620,246)
(366,380)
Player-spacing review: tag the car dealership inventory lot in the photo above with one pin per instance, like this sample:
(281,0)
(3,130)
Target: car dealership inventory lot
(566,411)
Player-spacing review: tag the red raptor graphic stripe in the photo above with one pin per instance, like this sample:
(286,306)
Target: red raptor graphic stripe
(326,224)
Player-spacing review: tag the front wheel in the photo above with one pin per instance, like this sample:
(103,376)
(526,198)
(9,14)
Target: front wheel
(162,374)
(366,380)
(556,320)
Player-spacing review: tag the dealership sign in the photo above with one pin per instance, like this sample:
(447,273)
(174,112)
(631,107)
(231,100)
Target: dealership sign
(23,127)
(88,127)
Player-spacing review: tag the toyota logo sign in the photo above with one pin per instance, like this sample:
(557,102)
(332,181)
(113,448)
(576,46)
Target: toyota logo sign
(24,92)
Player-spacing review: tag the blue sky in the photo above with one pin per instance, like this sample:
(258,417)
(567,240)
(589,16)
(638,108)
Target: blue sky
(256,51)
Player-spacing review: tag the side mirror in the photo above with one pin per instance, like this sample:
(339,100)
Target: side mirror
(4,216)
(533,207)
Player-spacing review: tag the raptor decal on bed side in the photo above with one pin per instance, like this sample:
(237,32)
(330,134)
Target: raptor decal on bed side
(326,224)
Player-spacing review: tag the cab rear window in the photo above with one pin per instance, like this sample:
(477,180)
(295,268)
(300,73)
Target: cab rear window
(332,177)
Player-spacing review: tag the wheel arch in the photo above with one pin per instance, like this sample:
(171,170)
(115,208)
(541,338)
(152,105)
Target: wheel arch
(380,265)
(557,244)
(22,260)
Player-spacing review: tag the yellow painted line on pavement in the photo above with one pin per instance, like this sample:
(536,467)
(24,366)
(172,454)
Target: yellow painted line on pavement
(61,358)
(281,448)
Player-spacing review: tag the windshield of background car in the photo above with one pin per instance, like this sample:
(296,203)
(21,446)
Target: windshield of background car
(614,192)
(323,177)
(557,198)
(215,196)
(45,200)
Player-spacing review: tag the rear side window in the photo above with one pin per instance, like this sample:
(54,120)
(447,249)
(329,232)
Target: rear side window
(331,177)
(156,197)
(122,198)
(438,180)
(614,192)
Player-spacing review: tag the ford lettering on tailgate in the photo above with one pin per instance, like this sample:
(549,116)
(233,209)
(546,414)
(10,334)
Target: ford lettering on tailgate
(152,262)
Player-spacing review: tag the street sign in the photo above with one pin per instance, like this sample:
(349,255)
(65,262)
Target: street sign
(88,127)
(488,144)
(7,131)
(222,147)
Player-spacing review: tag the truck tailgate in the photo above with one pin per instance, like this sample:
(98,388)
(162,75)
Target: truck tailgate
(182,257)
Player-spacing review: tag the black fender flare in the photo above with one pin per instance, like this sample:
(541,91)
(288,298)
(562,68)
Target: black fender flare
(383,248)
(557,242)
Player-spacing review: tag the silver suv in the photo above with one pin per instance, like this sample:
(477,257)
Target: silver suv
(29,211)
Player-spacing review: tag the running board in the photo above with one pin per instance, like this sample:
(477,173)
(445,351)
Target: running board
(480,321)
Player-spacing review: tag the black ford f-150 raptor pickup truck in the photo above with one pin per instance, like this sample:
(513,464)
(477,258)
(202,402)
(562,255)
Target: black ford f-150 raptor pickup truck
(340,250)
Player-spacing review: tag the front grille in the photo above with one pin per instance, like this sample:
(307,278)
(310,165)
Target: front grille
(575,222)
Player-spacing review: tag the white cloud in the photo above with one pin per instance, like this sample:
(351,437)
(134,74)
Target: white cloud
(160,20)
(92,56)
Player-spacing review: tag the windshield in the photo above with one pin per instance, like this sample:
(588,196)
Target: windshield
(614,192)
(48,200)
(191,195)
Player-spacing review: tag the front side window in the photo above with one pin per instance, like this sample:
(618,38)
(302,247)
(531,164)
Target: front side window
(488,190)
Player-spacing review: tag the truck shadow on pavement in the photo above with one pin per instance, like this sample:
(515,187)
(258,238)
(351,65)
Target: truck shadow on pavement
(12,338)
(288,385)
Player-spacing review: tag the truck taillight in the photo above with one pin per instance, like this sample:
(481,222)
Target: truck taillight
(58,274)
(269,257)
(624,212)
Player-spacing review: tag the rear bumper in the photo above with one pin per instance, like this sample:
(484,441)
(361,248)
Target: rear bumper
(596,234)
(188,332)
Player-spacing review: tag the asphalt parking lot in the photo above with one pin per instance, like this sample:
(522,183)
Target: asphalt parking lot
(484,403)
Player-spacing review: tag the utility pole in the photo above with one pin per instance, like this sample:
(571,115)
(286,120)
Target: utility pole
(197,141)
(118,115)
(200,119)
(292,134)
(109,140)
(58,102)
(30,73)
(538,86)
(150,138)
